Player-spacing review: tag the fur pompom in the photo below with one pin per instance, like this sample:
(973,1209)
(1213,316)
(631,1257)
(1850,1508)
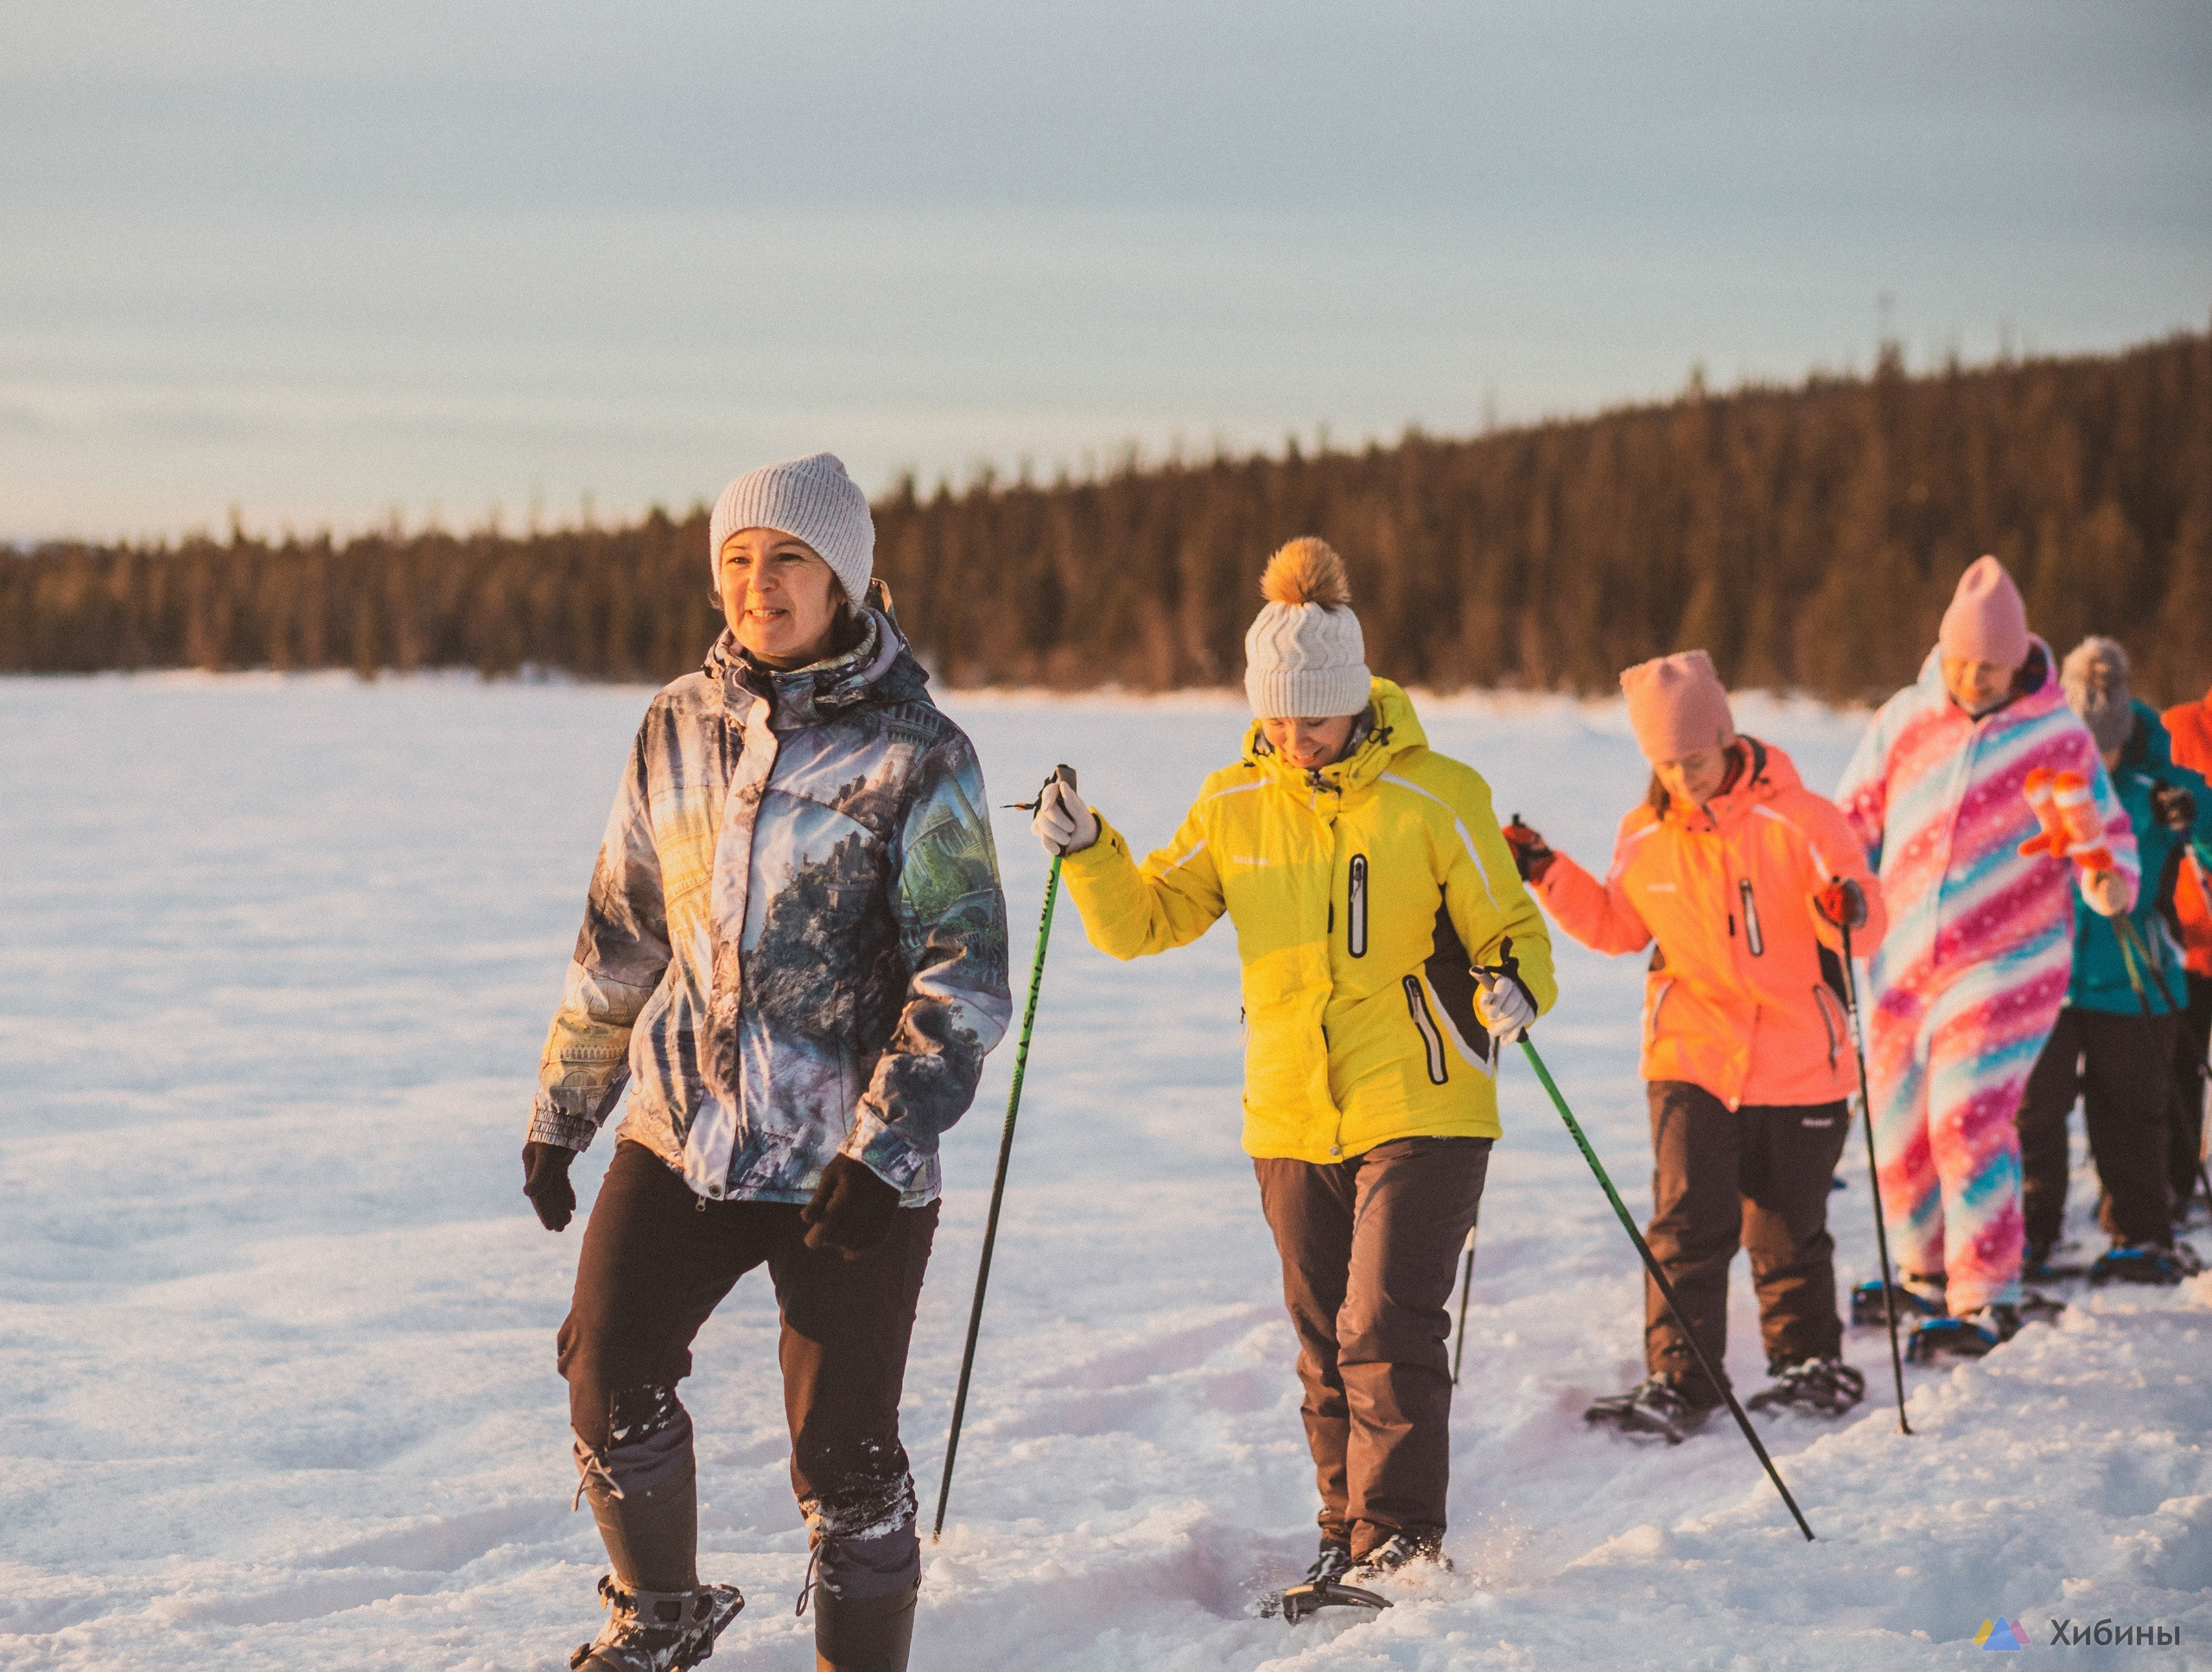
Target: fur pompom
(1307,571)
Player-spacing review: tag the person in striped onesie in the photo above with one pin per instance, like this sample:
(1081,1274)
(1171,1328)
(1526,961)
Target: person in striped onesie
(1971,975)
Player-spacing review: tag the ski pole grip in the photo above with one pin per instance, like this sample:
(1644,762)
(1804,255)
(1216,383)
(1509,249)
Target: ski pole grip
(1065,773)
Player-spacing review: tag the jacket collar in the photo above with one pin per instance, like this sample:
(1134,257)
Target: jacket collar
(1766,773)
(2041,696)
(1393,730)
(880,669)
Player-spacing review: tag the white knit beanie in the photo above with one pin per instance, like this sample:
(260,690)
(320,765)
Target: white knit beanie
(811,498)
(1304,658)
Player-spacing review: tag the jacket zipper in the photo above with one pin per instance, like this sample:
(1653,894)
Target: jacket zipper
(1417,1002)
(1752,938)
(1651,1027)
(1822,999)
(1355,906)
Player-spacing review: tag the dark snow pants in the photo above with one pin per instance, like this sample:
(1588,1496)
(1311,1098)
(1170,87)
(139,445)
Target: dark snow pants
(2185,1124)
(1369,1250)
(658,1259)
(1756,1178)
(2121,1069)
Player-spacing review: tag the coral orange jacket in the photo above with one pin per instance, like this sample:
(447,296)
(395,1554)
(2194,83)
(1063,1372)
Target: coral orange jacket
(2188,725)
(1740,999)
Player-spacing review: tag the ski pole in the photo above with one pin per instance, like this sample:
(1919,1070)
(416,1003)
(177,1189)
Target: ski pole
(1659,1277)
(1467,1283)
(1065,775)
(1874,1176)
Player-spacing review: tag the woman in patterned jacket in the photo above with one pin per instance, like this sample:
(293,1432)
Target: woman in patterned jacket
(794,955)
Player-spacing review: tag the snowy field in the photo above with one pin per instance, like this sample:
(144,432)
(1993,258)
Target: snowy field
(276,1380)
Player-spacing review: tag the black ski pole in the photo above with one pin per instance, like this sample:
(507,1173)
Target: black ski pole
(1467,1283)
(1659,1277)
(1065,775)
(1874,1176)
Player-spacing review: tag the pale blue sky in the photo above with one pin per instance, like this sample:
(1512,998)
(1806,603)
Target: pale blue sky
(475,253)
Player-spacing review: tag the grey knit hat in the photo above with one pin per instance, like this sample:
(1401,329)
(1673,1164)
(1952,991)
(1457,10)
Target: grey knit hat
(2095,677)
(1305,658)
(811,498)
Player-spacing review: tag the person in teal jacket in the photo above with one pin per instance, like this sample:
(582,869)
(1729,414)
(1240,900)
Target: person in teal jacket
(2114,1047)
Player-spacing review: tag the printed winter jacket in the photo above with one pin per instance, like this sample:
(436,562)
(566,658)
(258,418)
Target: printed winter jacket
(1359,891)
(1935,796)
(795,944)
(2189,730)
(2101,973)
(1745,994)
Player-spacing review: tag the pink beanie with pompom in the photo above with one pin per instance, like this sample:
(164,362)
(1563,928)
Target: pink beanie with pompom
(1987,620)
(1676,706)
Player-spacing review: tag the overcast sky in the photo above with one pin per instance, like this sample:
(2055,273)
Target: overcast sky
(322,262)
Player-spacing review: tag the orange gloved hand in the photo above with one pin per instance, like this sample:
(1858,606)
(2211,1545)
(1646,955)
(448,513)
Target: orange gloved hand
(1843,903)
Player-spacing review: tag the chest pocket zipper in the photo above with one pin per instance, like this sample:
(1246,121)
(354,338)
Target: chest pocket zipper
(1356,907)
(1752,938)
(1417,1002)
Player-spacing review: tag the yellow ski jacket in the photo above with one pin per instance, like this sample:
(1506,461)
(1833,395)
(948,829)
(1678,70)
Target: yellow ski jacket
(1357,891)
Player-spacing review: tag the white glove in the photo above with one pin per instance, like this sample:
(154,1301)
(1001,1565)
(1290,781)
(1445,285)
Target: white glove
(1063,823)
(1503,1007)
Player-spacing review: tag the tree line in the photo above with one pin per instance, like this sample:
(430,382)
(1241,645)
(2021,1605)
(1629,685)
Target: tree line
(1809,537)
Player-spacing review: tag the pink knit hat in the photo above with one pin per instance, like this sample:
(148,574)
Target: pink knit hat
(1986,621)
(1676,707)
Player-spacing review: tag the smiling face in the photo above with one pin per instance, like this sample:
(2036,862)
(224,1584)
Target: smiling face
(1310,744)
(780,599)
(1977,687)
(1693,778)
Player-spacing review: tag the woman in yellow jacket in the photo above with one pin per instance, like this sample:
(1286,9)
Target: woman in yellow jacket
(1388,950)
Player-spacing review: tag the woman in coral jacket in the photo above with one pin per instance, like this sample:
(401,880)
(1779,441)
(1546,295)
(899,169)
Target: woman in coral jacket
(1743,877)
(1380,923)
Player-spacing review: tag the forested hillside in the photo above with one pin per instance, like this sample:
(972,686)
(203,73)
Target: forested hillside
(1809,537)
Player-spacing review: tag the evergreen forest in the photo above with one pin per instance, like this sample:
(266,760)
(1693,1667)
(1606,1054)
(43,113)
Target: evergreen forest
(1809,537)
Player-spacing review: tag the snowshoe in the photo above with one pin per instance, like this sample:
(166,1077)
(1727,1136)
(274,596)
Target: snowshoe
(1816,1386)
(1911,1302)
(2145,1262)
(1655,1408)
(2035,1304)
(657,1630)
(1324,1587)
(1969,1335)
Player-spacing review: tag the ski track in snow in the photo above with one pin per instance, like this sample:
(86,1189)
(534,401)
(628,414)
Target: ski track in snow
(277,1381)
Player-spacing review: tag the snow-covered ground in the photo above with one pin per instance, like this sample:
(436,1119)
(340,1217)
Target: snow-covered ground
(277,1381)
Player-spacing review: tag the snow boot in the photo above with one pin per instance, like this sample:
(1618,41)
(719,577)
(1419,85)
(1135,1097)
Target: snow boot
(1816,1387)
(1914,1298)
(657,1630)
(1402,1550)
(1968,1336)
(1654,1408)
(863,1634)
(2145,1262)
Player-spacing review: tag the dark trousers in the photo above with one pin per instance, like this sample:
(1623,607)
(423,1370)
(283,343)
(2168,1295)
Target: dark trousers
(1756,1178)
(2121,1069)
(1369,1250)
(2185,1122)
(656,1261)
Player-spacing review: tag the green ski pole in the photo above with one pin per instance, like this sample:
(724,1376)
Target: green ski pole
(1065,775)
(1666,1289)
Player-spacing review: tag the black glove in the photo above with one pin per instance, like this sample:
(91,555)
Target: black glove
(545,1181)
(1530,856)
(2173,806)
(851,1209)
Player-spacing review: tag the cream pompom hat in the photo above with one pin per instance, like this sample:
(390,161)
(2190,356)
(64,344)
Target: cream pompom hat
(1305,658)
